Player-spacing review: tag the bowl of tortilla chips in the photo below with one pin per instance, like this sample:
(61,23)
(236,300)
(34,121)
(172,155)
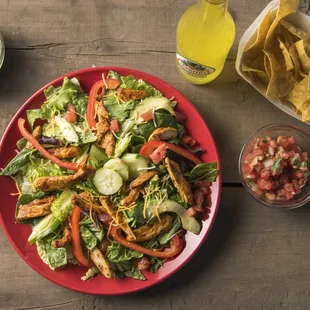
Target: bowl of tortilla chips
(274,56)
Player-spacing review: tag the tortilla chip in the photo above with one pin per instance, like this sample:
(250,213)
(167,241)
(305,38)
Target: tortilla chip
(267,66)
(305,111)
(286,7)
(256,74)
(281,81)
(287,58)
(304,58)
(297,63)
(261,34)
(289,39)
(300,94)
(297,32)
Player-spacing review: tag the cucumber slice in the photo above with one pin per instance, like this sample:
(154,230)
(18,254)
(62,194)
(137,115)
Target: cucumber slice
(107,181)
(119,166)
(135,162)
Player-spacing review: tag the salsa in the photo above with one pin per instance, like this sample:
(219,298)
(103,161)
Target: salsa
(276,168)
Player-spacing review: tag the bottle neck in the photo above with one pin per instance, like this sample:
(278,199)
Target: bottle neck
(214,8)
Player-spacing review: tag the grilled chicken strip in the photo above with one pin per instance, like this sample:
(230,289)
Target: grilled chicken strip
(37,132)
(180,183)
(108,143)
(66,238)
(165,133)
(142,179)
(105,138)
(60,182)
(127,94)
(152,229)
(86,202)
(102,125)
(131,197)
(38,207)
(118,217)
(101,263)
(65,152)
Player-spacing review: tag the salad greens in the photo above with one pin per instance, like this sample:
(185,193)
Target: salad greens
(124,198)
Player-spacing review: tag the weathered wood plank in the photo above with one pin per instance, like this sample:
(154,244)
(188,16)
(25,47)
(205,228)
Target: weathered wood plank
(254,258)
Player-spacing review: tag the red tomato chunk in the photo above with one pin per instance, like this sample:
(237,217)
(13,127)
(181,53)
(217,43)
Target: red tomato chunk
(276,168)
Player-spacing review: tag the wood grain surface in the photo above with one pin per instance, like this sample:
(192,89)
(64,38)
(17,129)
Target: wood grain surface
(255,258)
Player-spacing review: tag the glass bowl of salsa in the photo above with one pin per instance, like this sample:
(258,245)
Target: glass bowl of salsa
(274,166)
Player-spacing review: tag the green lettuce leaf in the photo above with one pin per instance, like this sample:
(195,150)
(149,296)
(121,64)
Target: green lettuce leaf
(116,253)
(125,270)
(42,168)
(57,100)
(114,75)
(97,157)
(84,133)
(130,82)
(54,257)
(205,172)
(164,238)
(162,119)
(117,110)
(89,239)
(156,263)
(62,206)
(18,162)
(135,215)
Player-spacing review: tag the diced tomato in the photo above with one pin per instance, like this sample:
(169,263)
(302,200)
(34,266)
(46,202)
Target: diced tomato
(188,140)
(273,144)
(288,187)
(283,141)
(304,169)
(180,117)
(248,158)
(285,155)
(159,153)
(291,140)
(114,126)
(143,264)
(199,209)
(264,185)
(280,192)
(265,174)
(191,212)
(299,174)
(147,116)
(301,181)
(70,115)
(258,152)
(304,156)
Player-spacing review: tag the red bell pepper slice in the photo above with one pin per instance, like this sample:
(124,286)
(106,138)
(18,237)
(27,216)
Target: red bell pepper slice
(176,245)
(149,147)
(27,135)
(76,239)
(93,94)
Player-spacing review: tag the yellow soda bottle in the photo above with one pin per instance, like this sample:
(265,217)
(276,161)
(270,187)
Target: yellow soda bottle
(205,34)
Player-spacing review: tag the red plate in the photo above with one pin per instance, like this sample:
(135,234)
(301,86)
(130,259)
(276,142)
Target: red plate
(69,277)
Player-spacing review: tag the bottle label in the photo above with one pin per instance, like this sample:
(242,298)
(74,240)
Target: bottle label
(193,68)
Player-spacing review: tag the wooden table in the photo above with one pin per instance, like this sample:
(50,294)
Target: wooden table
(254,258)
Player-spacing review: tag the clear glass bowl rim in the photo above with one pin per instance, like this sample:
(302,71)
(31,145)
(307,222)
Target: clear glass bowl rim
(291,204)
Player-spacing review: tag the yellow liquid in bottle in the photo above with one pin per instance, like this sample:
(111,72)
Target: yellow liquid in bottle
(205,34)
